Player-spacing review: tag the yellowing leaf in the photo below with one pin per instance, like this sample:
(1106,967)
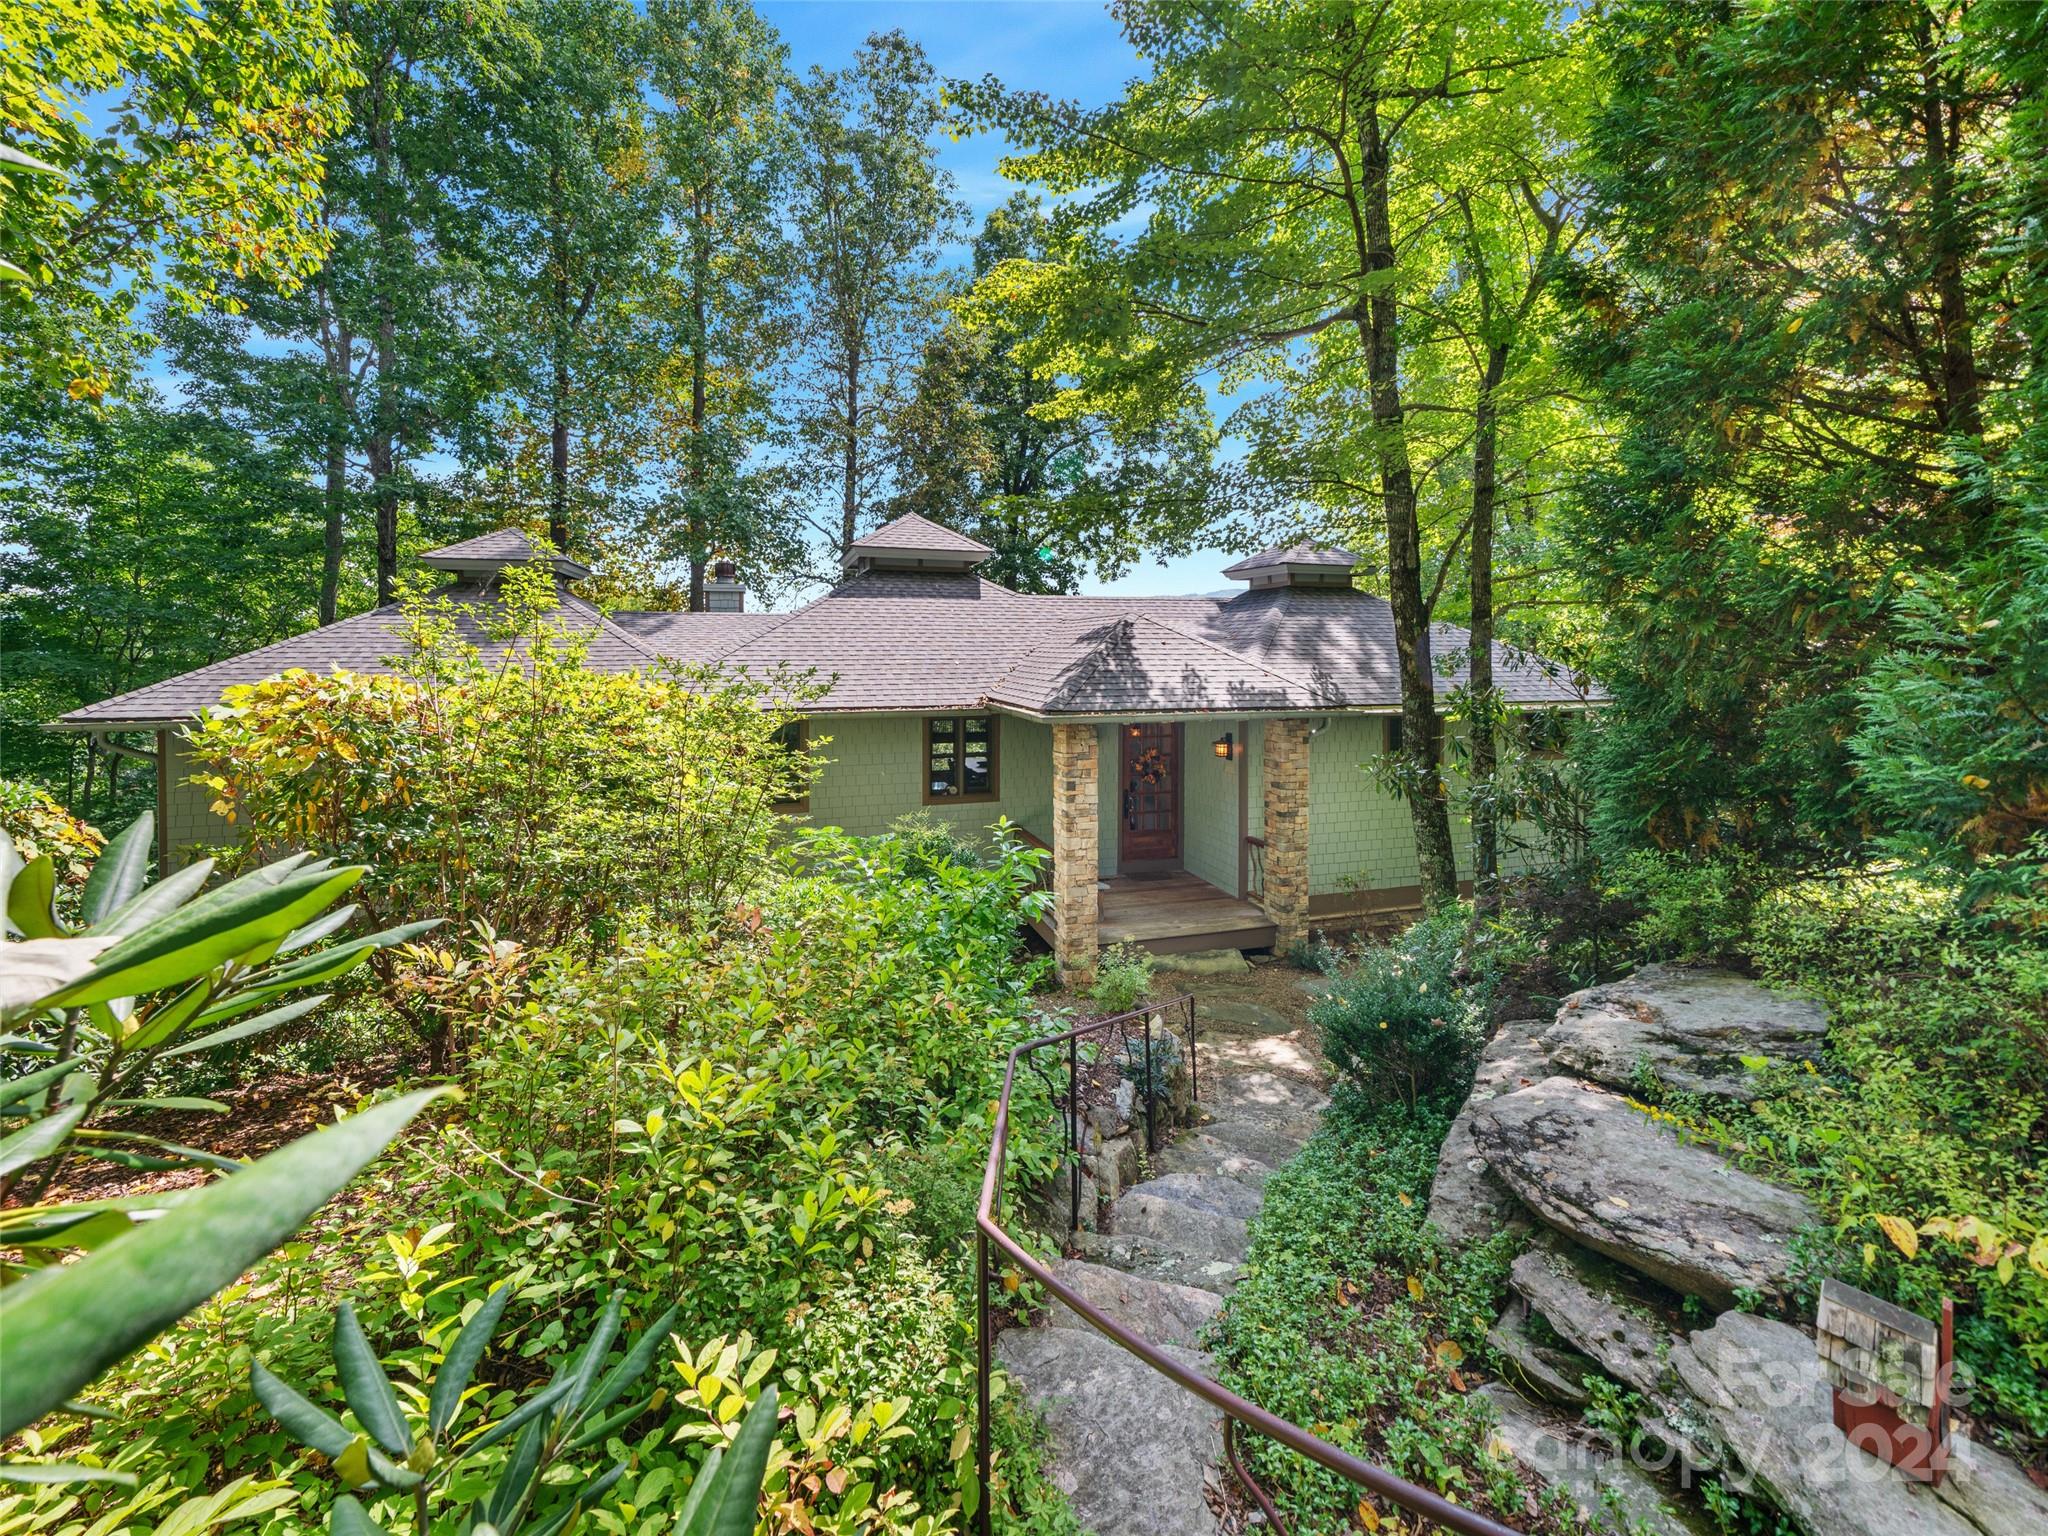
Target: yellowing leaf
(352,1466)
(1407,1199)
(1903,1237)
(1449,1352)
(1368,1517)
(1415,1288)
(1617,1200)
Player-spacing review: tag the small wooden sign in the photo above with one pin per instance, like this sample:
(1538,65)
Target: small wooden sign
(1890,1370)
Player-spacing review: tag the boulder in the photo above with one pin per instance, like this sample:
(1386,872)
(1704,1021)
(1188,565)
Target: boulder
(1761,1383)
(1689,1025)
(1467,1200)
(1603,1173)
(1603,1311)
(1611,1491)
(1537,1368)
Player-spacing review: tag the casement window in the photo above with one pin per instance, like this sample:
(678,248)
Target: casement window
(959,758)
(794,737)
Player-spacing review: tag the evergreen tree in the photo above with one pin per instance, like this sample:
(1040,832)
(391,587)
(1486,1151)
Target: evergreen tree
(1809,330)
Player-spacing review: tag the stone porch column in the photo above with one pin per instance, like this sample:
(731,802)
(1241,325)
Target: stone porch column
(1286,775)
(1074,847)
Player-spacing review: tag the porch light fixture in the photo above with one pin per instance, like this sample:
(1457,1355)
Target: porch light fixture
(1221,745)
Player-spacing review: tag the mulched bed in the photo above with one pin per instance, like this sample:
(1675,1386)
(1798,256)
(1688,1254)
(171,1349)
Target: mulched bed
(261,1117)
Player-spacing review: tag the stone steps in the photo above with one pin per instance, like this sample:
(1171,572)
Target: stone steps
(1131,1451)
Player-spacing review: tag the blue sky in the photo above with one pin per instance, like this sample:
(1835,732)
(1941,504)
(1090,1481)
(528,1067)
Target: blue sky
(1068,48)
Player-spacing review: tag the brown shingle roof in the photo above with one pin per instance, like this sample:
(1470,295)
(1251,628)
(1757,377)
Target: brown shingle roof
(1136,662)
(500,547)
(1293,554)
(364,643)
(924,642)
(913,534)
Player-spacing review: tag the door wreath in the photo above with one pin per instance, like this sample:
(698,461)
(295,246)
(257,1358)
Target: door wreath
(1149,768)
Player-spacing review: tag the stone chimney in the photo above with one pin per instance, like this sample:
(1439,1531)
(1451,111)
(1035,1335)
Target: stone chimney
(723,592)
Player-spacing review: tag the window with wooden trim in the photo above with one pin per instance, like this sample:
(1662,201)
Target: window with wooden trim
(1393,733)
(959,758)
(794,738)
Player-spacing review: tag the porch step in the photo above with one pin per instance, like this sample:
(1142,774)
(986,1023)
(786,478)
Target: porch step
(1269,1138)
(1184,1228)
(1130,1450)
(1157,1261)
(1199,1152)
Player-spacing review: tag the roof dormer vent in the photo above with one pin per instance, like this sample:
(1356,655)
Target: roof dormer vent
(489,553)
(1298,565)
(913,543)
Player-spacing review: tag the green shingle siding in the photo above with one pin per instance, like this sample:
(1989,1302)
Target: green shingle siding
(874,773)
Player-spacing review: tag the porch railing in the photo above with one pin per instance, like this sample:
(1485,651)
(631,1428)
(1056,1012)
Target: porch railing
(1255,869)
(1237,1411)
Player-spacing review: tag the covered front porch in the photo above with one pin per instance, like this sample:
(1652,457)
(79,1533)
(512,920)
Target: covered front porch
(1172,913)
(1202,844)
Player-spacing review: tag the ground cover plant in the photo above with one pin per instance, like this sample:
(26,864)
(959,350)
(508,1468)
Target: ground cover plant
(755,1115)
(1354,1320)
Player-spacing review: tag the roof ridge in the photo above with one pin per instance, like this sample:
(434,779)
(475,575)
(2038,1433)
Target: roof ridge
(1238,656)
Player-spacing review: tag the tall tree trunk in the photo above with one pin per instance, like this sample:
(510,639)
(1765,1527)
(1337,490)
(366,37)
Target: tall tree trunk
(700,276)
(336,510)
(384,429)
(558,400)
(1961,407)
(558,454)
(1485,750)
(1421,731)
(849,501)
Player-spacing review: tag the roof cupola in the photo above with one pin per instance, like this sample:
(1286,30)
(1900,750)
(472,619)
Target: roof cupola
(1298,565)
(489,553)
(913,543)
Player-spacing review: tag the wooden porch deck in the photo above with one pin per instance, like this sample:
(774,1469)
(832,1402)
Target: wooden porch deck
(1174,913)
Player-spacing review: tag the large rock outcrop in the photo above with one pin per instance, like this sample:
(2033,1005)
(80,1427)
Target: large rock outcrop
(1603,1311)
(1611,1491)
(1761,1382)
(1467,1200)
(1690,1026)
(1603,1173)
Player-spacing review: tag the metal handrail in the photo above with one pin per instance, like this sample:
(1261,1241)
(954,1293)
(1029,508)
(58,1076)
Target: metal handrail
(1236,1410)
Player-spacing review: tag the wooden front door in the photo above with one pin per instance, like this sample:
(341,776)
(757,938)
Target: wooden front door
(1149,812)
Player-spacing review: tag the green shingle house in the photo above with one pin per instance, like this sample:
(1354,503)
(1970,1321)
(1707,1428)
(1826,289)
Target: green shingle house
(1193,764)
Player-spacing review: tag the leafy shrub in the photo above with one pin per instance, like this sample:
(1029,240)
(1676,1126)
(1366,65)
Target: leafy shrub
(41,827)
(1123,975)
(152,972)
(424,1463)
(1692,908)
(512,785)
(1400,1021)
